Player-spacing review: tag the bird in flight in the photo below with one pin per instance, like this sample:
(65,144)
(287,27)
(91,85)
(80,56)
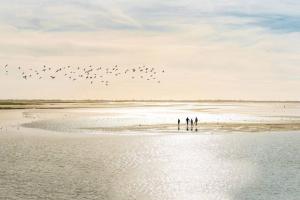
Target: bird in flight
(90,73)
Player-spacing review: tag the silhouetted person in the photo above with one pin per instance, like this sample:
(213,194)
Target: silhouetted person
(178,122)
(187,121)
(196,121)
(192,123)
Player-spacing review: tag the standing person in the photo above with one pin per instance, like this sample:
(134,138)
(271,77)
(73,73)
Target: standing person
(192,123)
(187,121)
(178,122)
(196,121)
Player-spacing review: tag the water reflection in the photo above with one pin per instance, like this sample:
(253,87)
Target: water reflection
(52,165)
(157,117)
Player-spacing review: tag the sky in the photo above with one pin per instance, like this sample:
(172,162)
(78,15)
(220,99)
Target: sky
(221,49)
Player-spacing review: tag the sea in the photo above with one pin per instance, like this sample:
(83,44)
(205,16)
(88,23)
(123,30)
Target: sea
(116,150)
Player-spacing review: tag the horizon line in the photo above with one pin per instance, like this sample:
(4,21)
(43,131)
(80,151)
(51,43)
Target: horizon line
(148,100)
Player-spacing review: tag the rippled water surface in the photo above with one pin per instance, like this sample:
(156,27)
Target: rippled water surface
(50,154)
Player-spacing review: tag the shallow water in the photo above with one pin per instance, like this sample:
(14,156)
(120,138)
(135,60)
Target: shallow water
(61,161)
(153,117)
(234,166)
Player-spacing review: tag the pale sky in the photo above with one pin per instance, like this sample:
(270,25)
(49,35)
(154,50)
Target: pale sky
(221,49)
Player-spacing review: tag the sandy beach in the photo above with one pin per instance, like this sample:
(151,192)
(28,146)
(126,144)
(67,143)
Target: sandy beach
(74,154)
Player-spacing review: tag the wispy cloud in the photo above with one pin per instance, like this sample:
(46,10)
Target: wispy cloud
(278,23)
(63,16)
(216,44)
(87,15)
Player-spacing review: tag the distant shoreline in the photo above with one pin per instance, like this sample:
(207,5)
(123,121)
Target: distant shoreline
(69,104)
(26,101)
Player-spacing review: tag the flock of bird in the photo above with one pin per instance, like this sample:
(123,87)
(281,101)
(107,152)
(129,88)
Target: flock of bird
(90,74)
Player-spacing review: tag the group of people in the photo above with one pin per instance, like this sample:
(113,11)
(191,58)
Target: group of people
(190,122)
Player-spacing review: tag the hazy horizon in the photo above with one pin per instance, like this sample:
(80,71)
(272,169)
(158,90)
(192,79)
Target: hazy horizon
(145,100)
